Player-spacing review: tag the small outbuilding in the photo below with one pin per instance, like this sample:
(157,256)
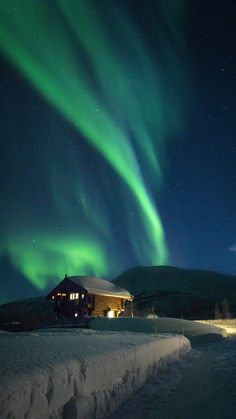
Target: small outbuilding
(77,296)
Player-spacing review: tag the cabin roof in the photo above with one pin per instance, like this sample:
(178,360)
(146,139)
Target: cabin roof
(100,286)
(96,286)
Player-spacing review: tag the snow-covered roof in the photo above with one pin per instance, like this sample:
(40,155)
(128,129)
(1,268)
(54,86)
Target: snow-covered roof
(100,286)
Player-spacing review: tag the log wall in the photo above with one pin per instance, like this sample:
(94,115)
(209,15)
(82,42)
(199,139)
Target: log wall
(102,303)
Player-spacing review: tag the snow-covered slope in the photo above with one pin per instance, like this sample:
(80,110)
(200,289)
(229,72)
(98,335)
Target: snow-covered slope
(192,330)
(75,373)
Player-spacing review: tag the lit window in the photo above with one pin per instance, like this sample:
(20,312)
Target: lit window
(53,297)
(111,314)
(82,296)
(74,296)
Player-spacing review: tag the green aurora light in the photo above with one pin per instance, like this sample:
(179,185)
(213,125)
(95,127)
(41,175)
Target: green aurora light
(108,84)
(56,257)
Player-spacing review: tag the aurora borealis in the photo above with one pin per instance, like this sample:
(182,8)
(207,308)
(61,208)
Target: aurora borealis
(97,95)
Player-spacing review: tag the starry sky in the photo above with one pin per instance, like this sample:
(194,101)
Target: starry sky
(118,142)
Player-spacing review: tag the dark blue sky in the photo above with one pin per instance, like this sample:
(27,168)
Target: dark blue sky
(56,186)
(202,174)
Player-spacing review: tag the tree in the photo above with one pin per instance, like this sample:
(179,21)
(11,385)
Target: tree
(217,312)
(225,309)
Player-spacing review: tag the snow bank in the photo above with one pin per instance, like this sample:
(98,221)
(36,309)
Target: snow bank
(77,373)
(229,325)
(196,332)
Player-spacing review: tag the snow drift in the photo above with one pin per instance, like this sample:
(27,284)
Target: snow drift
(78,373)
(196,332)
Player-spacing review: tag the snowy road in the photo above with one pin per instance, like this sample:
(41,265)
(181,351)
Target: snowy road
(201,387)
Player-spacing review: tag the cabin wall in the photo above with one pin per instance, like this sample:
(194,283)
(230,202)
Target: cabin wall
(102,303)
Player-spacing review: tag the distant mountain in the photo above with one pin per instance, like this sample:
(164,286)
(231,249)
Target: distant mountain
(175,292)
(163,290)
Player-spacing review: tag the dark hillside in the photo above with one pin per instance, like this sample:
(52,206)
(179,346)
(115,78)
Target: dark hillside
(31,313)
(179,292)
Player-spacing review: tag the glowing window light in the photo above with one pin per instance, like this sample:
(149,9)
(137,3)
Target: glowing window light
(74,296)
(82,296)
(111,314)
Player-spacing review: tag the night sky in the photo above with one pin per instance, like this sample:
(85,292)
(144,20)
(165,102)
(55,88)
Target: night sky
(118,143)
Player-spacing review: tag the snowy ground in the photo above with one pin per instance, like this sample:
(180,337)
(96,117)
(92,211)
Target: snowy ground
(228,324)
(194,331)
(78,373)
(148,401)
(203,386)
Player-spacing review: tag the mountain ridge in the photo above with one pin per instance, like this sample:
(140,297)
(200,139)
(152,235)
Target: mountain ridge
(175,291)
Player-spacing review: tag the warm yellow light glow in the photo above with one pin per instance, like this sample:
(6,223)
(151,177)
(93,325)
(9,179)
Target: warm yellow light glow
(74,296)
(229,325)
(53,297)
(111,314)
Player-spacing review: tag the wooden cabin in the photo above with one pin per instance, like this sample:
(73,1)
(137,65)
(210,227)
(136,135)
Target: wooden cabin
(78,296)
